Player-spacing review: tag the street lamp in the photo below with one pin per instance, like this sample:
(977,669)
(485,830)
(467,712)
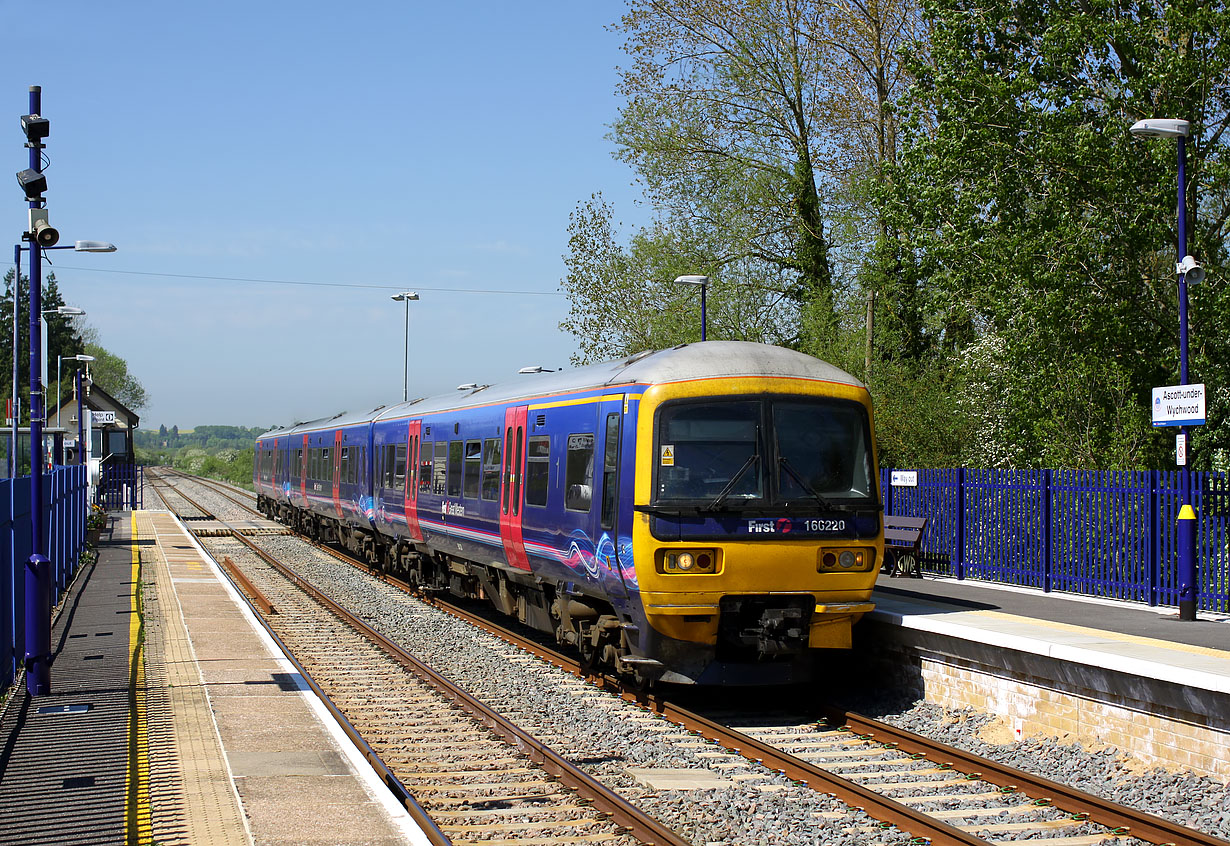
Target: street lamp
(63,311)
(1187,270)
(59,358)
(703,282)
(78,246)
(406,297)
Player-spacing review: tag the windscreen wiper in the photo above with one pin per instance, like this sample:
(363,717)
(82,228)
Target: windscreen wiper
(807,488)
(730,486)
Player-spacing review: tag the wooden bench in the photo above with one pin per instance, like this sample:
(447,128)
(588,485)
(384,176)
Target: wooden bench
(901,538)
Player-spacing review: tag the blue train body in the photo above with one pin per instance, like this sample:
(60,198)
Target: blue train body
(707,514)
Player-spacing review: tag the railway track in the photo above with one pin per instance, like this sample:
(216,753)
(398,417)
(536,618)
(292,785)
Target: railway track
(467,773)
(933,792)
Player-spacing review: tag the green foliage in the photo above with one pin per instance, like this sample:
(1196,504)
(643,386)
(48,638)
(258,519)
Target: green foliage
(63,339)
(218,452)
(1041,230)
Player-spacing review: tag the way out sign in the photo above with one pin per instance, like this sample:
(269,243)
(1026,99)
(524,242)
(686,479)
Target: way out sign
(1178,405)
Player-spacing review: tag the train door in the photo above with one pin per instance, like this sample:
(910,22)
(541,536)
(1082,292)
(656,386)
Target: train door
(337,473)
(303,472)
(412,479)
(511,495)
(610,425)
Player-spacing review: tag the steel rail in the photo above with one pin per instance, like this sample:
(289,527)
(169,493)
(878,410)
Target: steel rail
(400,792)
(621,812)
(1138,824)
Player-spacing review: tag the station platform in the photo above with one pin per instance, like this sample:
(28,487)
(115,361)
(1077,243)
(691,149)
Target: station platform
(1084,668)
(174,718)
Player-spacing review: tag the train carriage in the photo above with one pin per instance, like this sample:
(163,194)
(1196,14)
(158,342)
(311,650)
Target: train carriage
(706,514)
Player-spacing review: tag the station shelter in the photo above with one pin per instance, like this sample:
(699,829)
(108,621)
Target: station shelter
(110,451)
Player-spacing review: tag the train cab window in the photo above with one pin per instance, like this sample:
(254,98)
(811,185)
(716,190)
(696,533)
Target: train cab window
(473,469)
(456,450)
(491,469)
(537,470)
(709,450)
(579,473)
(399,467)
(610,471)
(425,467)
(439,478)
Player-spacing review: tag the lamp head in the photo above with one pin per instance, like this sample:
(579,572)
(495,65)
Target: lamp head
(1162,127)
(692,280)
(404,295)
(83,357)
(94,246)
(1191,270)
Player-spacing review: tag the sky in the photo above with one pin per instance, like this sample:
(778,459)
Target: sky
(229,149)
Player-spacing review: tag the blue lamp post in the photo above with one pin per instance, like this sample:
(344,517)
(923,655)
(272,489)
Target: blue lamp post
(1188,271)
(41,236)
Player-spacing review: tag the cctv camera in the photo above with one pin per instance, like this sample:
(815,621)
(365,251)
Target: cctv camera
(1191,270)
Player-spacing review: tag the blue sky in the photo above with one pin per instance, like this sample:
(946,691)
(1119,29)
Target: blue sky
(408,146)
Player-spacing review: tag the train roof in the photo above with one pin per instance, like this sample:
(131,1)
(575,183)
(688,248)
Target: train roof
(710,359)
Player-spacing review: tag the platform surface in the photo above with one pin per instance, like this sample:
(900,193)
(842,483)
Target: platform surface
(1136,639)
(175,719)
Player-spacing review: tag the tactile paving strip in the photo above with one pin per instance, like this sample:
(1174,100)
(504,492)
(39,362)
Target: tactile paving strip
(192,796)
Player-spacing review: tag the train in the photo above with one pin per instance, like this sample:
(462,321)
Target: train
(708,514)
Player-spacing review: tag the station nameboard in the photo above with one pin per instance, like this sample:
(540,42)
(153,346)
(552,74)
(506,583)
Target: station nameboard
(1178,405)
(102,418)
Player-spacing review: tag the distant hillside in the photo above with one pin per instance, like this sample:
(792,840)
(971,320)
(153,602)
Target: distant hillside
(220,452)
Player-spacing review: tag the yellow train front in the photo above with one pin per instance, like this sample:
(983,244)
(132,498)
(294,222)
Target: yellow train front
(756,516)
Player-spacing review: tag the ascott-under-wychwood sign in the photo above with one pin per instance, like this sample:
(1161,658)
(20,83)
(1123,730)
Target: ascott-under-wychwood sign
(1178,405)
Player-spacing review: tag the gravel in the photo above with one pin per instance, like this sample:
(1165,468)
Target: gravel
(608,736)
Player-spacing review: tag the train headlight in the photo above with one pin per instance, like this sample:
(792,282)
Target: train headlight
(848,560)
(688,561)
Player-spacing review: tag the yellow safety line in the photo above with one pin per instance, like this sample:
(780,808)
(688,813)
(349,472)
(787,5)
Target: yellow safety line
(137,820)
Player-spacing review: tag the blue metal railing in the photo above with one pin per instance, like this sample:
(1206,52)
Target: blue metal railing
(1101,533)
(64,503)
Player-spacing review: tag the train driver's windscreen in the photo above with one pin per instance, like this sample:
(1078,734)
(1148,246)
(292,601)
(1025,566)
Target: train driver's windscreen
(773,451)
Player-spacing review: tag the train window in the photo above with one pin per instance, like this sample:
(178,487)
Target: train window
(491,469)
(708,450)
(344,471)
(610,464)
(425,466)
(579,472)
(473,469)
(516,473)
(822,450)
(537,470)
(508,453)
(439,478)
(456,451)
(399,467)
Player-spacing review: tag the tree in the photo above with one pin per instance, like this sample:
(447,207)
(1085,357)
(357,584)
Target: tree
(110,372)
(1041,232)
(779,108)
(63,338)
(624,299)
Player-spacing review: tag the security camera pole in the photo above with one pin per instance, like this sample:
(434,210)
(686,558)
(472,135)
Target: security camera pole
(38,568)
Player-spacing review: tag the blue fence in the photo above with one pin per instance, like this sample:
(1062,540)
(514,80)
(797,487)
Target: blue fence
(64,504)
(1101,533)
